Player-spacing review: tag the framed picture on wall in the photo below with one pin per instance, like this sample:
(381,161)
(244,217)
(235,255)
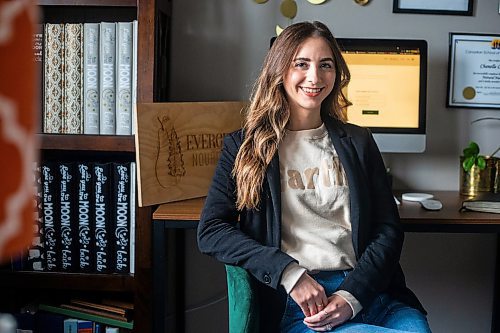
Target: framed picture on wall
(441,7)
(474,71)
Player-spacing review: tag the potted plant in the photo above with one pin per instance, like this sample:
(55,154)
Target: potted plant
(479,172)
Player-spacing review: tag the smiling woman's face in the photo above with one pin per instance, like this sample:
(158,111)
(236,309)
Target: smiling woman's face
(310,77)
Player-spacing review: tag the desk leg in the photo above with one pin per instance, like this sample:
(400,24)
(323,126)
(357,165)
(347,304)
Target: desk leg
(168,279)
(180,279)
(159,278)
(495,320)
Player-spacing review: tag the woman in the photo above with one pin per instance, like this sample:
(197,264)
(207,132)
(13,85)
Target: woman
(318,226)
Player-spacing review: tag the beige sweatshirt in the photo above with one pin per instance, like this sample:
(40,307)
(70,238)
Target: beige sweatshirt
(316,227)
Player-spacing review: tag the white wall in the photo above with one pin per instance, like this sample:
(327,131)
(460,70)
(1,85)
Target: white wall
(217,50)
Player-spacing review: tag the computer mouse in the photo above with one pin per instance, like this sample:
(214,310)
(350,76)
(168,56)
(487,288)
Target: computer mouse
(431,204)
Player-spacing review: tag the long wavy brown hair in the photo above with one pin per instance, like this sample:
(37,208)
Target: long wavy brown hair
(268,113)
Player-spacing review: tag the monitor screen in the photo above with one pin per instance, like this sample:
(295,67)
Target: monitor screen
(388,90)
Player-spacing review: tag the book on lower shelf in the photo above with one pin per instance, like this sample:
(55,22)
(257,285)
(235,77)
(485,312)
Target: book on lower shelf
(82,313)
(67,212)
(50,202)
(103,217)
(72,325)
(50,322)
(486,202)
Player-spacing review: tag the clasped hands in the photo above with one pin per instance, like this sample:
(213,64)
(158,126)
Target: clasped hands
(322,313)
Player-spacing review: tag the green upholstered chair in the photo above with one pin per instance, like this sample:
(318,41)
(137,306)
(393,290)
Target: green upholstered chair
(242,301)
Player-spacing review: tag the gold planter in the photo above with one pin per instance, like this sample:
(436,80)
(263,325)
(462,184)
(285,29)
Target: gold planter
(475,180)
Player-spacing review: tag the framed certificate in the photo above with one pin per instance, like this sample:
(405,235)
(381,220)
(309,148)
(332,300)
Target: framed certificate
(441,7)
(474,71)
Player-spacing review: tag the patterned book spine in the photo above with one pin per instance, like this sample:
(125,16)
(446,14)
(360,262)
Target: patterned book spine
(50,204)
(73,64)
(121,217)
(134,74)
(107,84)
(132,217)
(86,249)
(124,78)
(53,74)
(91,78)
(102,217)
(67,205)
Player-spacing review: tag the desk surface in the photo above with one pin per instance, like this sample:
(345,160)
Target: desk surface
(186,210)
(411,213)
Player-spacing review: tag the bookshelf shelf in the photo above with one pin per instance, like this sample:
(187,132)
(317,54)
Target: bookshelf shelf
(110,3)
(123,143)
(68,281)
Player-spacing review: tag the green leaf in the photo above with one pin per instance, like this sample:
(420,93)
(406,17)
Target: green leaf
(474,147)
(481,162)
(468,152)
(468,163)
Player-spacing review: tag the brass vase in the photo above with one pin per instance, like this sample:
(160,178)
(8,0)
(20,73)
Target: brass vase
(476,180)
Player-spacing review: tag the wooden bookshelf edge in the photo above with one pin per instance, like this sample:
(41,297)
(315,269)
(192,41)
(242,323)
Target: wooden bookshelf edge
(113,143)
(68,281)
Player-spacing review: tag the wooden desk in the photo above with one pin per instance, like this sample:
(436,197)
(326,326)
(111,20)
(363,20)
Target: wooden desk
(449,218)
(186,214)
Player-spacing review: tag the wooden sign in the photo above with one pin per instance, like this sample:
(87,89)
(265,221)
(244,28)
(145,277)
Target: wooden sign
(178,146)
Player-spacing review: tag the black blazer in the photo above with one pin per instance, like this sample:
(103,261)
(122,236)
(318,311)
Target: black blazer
(254,242)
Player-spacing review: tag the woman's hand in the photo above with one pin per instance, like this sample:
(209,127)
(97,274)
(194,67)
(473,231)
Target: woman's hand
(335,313)
(309,295)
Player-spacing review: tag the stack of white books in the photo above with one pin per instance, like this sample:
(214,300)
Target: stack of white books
(90,77)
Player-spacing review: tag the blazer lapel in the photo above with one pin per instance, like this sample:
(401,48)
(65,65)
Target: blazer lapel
(273,180)
(346,152)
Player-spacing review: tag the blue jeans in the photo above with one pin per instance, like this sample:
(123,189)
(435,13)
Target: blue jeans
(383,315)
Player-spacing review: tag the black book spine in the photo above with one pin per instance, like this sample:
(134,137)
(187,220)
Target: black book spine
(67,210)
(121,214)
(38,58)
(50,199)
(36,255)
(102,217)
(86,249)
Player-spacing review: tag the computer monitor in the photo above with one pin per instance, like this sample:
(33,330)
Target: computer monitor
(388,90)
